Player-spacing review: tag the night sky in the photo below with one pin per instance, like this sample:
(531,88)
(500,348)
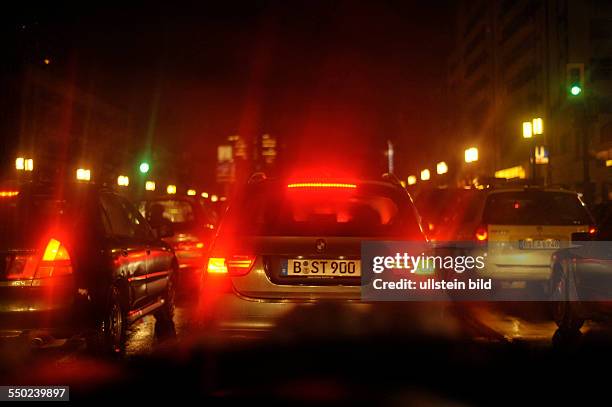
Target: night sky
(323,77)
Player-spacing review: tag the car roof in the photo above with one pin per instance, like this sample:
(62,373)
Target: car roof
(532,189)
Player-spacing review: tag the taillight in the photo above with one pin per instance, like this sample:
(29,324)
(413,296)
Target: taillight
(55,261)
(592,230)
(237,265)
(481,234)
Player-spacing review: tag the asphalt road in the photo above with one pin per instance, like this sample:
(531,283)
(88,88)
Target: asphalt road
(525,323)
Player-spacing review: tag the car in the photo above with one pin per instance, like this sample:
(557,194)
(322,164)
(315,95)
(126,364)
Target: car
(449,214)
(520,228)
(191,228)
(79,261)
(581,278)
(286,244)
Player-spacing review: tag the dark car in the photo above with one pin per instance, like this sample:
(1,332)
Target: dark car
(581,279)
(79,260)
(191,226)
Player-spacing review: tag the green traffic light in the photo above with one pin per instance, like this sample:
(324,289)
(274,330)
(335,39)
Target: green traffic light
(575,90)
(144,168)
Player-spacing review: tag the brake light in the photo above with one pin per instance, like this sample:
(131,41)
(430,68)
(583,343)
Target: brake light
(8,194)
(322,185)
(240,265)
(237,265)
(592,230)
(55,261)
(216,265)
(481,234)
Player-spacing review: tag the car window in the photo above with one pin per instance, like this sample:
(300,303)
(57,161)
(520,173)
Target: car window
(137,223)
(176,211)
(118,220)
(366,211)
(535,208)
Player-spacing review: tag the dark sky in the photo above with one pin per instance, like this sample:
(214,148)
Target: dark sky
(328,78)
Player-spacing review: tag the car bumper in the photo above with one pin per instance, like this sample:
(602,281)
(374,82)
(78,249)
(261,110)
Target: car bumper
(56,310)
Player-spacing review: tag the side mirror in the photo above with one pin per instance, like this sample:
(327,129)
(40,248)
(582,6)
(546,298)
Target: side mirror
(581,237)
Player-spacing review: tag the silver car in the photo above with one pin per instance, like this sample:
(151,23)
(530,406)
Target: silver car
(284,246)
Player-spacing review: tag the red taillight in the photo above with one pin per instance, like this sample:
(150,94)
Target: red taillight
(55,261)
(8,194)
(592,230)
(237,265)
(322,185)
(481,234)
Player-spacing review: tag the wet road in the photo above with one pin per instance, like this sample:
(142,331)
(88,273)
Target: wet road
(524,323)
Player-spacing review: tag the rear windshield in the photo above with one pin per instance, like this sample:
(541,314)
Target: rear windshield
(176,211)
(366,211)
(535,208)
(25,217)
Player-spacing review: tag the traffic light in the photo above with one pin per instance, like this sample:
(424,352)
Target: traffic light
(144,167)
(575,79)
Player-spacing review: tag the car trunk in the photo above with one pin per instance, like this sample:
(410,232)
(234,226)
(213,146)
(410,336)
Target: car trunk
(333,256)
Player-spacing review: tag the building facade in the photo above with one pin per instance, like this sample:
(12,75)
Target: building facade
(510,65)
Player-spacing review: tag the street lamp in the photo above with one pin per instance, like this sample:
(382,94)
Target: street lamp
(412,180)
(441,168)
(83,174)
(171,189)
(150,186)
(530,130)
(204,195)
(425,175)
(538,126)
(471,155)
(123,180)
(527,130)
(191,192)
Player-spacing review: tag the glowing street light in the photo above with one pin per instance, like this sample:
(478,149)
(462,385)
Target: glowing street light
(538,126)
(425,175)
(83,174)
(123,180)
(214,198)
(20,163)
(471,155)
(412,180)
(527,130)
(171,189)
(204,195)
(441,168)
(191,192)
(150,186)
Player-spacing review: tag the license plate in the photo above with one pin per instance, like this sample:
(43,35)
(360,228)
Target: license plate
(321,268)
(539,244)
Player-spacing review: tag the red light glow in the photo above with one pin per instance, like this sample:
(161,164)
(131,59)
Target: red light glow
(322,185)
